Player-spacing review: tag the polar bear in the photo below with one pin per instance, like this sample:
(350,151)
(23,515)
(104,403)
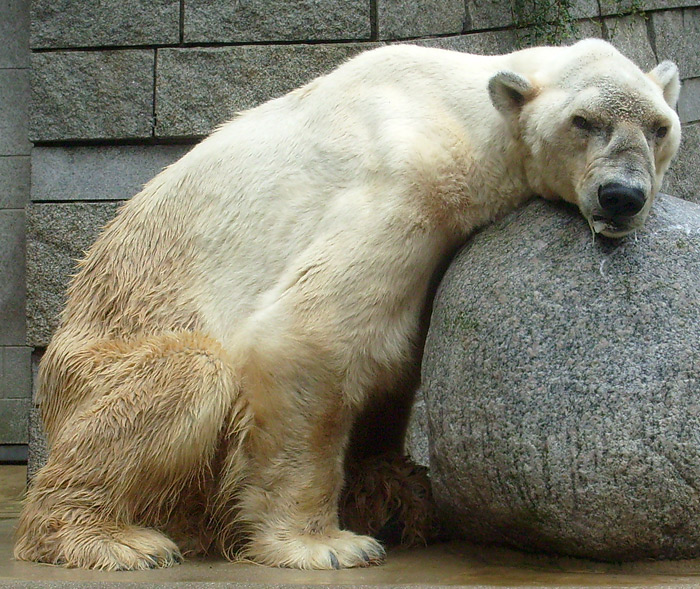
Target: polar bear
(229,325)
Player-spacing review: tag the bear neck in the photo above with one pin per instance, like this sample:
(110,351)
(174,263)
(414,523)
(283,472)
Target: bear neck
(493,180)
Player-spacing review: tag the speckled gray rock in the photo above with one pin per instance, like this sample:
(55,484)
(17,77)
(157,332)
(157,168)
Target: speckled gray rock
(57,235)
(562,389)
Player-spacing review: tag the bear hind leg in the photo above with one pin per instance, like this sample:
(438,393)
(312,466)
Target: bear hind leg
(121,462)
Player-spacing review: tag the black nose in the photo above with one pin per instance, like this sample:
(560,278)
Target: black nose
(619,200)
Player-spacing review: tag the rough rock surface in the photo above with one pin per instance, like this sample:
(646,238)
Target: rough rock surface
(561,385)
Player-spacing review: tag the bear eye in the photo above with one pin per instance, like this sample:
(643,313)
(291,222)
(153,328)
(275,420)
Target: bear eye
(661,132)
(582,123)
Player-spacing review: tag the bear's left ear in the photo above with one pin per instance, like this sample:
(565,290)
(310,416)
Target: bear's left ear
(666,75)
(509,92)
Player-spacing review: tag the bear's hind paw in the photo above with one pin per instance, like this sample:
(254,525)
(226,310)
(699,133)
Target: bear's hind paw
(106,548)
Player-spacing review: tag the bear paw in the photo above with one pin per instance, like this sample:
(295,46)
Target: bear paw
(129,549)
(305,551)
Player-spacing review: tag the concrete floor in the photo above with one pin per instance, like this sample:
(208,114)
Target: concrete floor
(445,565)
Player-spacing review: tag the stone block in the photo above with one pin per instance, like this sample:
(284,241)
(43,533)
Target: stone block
(14,32)
(629,35)
(489,14)
(681,178)
(417,433)
(92,95)
(505,41)
(14,90)
(14,421)
(542,35)
(419,18)
(199,88)
(38,451)
(560,378)
(222,21)
(677,37)
(12,289)
(66,23)
(97,173)
(486,43)
(14,181)
(15,372)
(609,7)
(58,234)
(38,446)
(689,101)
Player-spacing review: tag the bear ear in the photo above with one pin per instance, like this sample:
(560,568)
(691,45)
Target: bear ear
(509,92)
(666,75)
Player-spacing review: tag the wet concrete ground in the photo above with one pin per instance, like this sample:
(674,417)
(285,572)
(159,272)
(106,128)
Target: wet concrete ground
(443,565)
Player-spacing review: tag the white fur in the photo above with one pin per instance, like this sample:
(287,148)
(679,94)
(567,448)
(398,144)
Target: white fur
(230,324)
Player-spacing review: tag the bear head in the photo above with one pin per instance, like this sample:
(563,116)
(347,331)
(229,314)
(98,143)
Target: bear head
(597,131)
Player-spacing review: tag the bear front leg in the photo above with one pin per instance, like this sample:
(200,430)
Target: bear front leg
(286,503)
(290,505)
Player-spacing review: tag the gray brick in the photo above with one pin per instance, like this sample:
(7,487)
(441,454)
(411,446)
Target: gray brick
(67,23)
(97,173)
(586,28)
(487,14)
(276,20)
(36,359)
(419,18)
(629,35)
(487,43)
(38,447)
(15,372)
(689,101)
(14,92)
(677,35)
(14,32)
(12,289)
(14,181)
(92,95)
(201,87)
(579,29)
(57,235)
(682,178)
(14,421)
(608,7)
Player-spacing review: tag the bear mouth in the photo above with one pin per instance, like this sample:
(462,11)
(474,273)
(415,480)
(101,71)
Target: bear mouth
(610,226)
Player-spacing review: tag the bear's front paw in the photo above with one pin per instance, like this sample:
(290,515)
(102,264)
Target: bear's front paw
(339,550)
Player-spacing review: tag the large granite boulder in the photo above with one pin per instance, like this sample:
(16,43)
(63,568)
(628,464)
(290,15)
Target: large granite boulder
(561,386)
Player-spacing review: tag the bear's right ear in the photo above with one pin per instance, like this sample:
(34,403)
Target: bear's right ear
(509,92)
(666,75)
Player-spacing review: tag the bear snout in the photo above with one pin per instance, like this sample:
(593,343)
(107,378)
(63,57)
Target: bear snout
(620,200)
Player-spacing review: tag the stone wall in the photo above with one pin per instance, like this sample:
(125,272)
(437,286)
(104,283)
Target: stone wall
(15,377)
(121,88)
